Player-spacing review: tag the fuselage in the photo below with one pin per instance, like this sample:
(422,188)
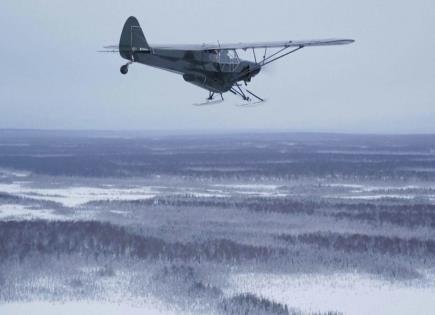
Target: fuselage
(210,70)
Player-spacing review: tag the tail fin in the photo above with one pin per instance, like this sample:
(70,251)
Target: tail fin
(132,39)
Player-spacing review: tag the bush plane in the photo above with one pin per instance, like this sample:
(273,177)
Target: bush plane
(216,68)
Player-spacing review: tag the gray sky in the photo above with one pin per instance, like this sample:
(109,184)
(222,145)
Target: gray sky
(52,78)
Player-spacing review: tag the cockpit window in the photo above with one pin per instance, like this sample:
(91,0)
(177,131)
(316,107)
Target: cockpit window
(224,56)
(229,56)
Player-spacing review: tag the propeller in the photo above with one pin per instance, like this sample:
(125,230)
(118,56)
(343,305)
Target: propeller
(249,71)
(270,69)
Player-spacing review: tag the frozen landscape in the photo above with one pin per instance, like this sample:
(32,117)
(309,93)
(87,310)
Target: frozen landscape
(135,223)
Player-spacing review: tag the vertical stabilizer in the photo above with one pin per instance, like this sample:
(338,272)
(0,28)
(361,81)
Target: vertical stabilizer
(132,39)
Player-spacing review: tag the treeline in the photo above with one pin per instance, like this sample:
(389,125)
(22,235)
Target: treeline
(224,158)
(178,283)
(260,204)
(253,305)
(181,284)
(362,243)
(8,198)
(410,215)
(20,239)
(248,303)
(403,214)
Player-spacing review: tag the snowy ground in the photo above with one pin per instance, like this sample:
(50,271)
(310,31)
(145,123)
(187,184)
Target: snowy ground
(315,223)
(353,294)
(19,212)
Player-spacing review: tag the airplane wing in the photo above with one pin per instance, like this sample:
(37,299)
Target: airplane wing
(245,46)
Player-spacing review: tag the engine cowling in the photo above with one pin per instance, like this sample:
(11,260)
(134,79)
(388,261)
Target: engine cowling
(249,71)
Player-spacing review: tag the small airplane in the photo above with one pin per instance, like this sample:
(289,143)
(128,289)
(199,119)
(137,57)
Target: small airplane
(214,67)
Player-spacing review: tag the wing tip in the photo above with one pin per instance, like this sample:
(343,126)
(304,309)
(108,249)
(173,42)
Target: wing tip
(348,41)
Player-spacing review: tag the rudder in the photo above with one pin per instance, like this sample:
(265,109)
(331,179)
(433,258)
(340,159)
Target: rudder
(132,39)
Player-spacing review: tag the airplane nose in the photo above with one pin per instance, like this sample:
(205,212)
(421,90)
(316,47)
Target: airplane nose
(249,71)
(254,69)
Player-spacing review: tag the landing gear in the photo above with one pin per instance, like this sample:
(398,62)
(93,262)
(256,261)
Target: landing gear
(210,100)
(237,90)
(124,69)
(211,96)
(257,97)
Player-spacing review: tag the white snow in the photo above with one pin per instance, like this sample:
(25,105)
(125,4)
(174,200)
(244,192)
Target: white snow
(253,189)
(250,186)
(371,188)
(201,194)
(13,173)
(397,188)
(355,186)
(76,196)
(351,294)
(369,192)
(376,197)
(19,212)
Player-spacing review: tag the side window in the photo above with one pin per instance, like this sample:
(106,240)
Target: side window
(232,57)
(229,57)
(223,56)
(213,55)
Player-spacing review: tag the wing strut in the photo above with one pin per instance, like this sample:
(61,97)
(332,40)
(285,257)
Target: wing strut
(270,59)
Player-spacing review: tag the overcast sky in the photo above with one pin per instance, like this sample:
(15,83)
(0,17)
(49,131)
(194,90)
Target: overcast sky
(52,77)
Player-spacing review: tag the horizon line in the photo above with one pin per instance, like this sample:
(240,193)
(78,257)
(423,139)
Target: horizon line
(174,132)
